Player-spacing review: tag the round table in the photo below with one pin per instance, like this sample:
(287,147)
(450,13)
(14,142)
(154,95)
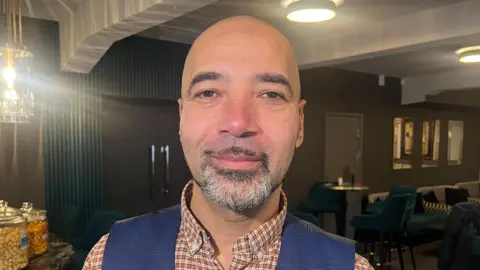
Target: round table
(342,216)
(346,188)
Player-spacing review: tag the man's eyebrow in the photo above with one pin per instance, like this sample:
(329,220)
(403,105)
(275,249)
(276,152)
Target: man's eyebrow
(204,76)
(275,78)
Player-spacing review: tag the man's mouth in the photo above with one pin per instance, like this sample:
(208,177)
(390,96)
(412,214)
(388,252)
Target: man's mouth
(237,162)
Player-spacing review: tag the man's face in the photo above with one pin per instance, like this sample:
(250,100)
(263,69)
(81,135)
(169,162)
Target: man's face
(241,118)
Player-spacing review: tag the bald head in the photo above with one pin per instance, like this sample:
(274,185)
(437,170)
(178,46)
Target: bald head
(244,39)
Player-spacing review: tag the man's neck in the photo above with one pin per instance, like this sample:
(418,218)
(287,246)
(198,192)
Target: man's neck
(225,226)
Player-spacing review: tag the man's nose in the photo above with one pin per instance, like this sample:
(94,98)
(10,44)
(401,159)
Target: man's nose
(239,119)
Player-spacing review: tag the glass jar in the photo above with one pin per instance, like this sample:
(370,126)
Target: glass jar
(4,206)
(13,238)
(37,227)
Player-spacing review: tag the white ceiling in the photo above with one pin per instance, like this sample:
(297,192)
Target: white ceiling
(412,39)
(50,9)
(434,58)
(352,13)
(89,27)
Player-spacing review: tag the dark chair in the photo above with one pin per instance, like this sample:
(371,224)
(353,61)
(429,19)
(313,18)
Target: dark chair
(320,201)
(398,190)
(390,221)
(460,248)
(98,225)
(65,226)
(476,246)
(412,220)
(307,217)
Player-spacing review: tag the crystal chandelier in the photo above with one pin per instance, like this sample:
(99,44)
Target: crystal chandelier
(16,97)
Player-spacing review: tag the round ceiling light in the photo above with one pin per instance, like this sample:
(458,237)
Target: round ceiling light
(469,54)
(308,11)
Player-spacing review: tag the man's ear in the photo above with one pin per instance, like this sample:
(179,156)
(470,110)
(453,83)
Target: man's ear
(301,125)
(180,107)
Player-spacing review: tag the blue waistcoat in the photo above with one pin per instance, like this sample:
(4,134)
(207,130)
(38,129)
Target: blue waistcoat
(148,242)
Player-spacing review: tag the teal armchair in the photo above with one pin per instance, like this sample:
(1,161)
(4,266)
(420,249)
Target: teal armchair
(98,225)
(377,206)
(65,226)
(476,245)
(321,200)
(307,217)
(389,221)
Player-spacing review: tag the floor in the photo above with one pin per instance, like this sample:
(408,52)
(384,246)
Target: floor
(425,257)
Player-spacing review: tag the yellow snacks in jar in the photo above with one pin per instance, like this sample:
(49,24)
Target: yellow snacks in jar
(13,239)
(37,229)
(37,237)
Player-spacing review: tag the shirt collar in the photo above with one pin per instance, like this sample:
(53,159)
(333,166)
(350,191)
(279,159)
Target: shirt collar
(256,241)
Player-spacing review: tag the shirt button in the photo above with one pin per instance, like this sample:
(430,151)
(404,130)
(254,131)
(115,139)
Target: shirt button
(260,254)
(194,248)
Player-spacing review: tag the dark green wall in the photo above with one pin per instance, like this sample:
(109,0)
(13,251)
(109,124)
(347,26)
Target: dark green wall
(133,68)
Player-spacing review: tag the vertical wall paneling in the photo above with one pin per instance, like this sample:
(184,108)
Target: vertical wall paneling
(132,68)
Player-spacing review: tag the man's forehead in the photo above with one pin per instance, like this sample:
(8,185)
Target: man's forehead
(247,50)
(241,51)
(238,68)
(238,61)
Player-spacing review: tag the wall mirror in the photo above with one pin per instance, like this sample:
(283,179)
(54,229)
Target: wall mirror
(455,142)
(402,142)
(430,143)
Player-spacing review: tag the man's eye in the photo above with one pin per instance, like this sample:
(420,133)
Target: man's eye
(206,94)
(273,95)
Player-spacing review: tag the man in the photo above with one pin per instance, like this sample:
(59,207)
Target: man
(241,119)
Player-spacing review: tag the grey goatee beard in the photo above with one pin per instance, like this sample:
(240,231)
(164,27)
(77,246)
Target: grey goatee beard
(235,190)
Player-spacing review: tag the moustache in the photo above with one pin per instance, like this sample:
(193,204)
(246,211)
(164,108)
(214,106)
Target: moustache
(238,151)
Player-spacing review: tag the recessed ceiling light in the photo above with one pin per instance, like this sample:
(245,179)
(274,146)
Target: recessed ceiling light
(469,54)
(308,11)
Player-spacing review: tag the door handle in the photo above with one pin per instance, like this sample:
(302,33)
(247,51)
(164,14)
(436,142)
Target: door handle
(151,170)
(166,150)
